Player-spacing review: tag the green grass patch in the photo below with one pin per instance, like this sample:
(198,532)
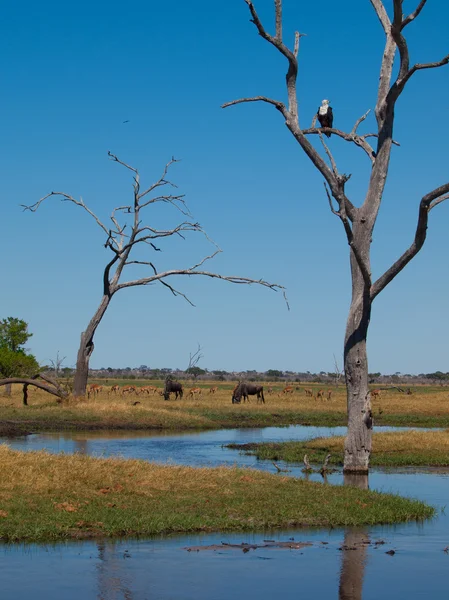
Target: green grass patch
(395,449)
(46,497)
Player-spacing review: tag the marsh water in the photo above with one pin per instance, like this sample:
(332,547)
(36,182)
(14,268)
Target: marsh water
(339,563)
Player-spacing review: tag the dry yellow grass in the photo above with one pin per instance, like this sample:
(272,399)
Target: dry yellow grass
(423,407)
(393,442)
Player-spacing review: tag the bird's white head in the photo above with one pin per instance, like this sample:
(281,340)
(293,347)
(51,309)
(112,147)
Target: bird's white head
(325,102)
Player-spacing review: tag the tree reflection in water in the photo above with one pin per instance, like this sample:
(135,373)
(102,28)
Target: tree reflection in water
(354,549)
(113,584)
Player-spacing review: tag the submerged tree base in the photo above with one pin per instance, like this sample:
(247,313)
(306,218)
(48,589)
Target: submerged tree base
(57,497)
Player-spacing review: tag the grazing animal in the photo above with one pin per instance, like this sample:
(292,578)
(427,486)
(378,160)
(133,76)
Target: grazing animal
(213,390)
(149,389)
(129,389)
(94,389)
(325,116)
(308,392)
(172,387)
(247,389)
(288,389)
(115,389)
(320,394)
(329,394)
(269,390)
(375,393)
(194,391)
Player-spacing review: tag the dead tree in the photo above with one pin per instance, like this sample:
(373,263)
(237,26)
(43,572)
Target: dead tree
(40,381)
(124,238)
(359,221)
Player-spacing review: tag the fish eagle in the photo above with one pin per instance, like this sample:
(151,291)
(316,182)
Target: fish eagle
(325,115)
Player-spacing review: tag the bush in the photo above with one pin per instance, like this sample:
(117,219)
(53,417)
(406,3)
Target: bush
(17,364)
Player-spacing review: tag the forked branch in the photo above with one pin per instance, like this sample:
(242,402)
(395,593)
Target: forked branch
(428,202)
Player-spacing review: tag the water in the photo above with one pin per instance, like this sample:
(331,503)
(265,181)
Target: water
(162,569)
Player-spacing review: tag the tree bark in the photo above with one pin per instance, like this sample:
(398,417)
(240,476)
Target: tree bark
(8,388)
(86,348)
(359,437)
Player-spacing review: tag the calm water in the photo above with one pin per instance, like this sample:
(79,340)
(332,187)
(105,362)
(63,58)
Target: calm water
(163,569)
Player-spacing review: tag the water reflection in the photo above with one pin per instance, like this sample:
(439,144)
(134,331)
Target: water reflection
(112,581)
(354,549)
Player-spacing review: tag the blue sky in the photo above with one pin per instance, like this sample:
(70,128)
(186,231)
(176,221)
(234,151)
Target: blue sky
(73,72)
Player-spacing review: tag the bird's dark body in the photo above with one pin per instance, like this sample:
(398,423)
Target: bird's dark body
(327,119)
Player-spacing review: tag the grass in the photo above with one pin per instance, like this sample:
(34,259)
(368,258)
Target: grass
(58,497)
(426,407)
(395,449)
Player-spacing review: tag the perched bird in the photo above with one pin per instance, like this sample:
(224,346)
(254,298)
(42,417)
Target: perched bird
(325,115)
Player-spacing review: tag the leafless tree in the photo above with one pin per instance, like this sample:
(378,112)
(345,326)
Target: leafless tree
(195,358)
(56,364)
(358,221)
(123,237)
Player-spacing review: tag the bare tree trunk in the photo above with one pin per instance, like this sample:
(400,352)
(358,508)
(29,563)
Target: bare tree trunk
(360,423)
(86,348)
(8,388)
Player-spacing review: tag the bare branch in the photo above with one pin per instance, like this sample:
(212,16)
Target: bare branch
(382,14)
(279,105)
(278,5)
(376,135)
(335,212)
(66,198)
(329,154)
(438,201)
(296,47)
(312,126)
(231,279)
(292,60)
(114,158)
(419,66)
(162,180)
(414,14)
(359,120)
(428,202)
(349,137)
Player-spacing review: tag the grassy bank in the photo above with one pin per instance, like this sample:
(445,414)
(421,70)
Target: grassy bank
(424,408)
(56,497)
(396,449)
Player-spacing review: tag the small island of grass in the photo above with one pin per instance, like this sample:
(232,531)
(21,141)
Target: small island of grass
(46,497)
(393,449)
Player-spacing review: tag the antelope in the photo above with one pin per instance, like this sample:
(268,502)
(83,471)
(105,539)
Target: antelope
(94,389)
(375,393)
(269,390)
(213,390)
(130,389)
(288,390)
(149,389)
(194,391)
(115,389)
(308,392)
(329,394)
(320,394)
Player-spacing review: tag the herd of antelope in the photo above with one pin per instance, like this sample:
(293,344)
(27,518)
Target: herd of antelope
(95,389)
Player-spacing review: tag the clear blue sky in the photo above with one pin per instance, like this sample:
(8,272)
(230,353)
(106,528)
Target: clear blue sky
(72,72)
